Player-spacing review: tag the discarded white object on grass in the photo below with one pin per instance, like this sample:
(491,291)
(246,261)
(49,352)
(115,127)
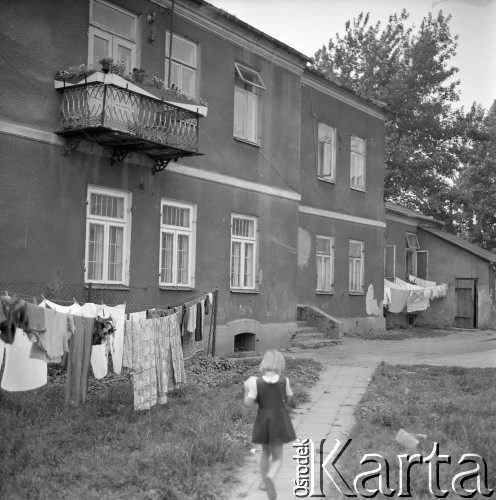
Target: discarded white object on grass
(406,439)
(253,451)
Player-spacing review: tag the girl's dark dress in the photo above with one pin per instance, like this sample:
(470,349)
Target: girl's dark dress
(272,425)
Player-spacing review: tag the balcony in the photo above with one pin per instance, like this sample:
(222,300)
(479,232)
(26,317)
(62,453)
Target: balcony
(123,118)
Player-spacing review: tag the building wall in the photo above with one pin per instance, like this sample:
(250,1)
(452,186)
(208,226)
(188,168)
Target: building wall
(447,262)
(338,202)
(43,202)
(395,235)
(316,106)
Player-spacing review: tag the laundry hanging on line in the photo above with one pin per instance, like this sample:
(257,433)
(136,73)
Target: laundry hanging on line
(83,335)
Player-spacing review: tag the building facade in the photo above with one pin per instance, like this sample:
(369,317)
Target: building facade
(120,191)
(341,215)
(418,246)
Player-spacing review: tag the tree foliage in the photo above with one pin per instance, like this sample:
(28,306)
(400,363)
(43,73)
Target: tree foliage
(410,70)
(475,188)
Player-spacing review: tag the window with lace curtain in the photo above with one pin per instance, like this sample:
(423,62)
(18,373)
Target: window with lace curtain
(357,163)
(248,85)
(243,251)
(356,266)
(177,244)
(325,263)
(108,229)
(326,168)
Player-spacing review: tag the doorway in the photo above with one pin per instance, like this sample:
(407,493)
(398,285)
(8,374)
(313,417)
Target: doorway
(466,303)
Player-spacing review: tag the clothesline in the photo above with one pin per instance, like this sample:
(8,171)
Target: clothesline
(150,342)
(191,298)
(399,294)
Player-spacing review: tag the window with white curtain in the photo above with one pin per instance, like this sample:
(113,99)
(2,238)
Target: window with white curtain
(112,33)
(356,266)
(108,228)
(243,251)
(183,63)
(325,263)
(326,168)
(357,163)
(177,244)
(247,87)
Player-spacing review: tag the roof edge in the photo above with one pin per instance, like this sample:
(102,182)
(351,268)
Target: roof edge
(408,213)
(232,18)
(461,243)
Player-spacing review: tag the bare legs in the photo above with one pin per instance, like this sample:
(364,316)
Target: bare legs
(270,461)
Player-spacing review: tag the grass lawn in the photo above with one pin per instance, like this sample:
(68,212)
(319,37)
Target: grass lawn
(455,407)
(187,449)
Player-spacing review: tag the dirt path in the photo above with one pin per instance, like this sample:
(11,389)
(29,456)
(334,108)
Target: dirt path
(468,348)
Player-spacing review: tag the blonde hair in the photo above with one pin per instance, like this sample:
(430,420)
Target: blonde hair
(273,361)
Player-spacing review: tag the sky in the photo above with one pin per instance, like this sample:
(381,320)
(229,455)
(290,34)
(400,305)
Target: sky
(306,25)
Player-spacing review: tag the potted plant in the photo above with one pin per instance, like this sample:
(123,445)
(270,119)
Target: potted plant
(73,74)
(138,75)
(106,64)
(118,68)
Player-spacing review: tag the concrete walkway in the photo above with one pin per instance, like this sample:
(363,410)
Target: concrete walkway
(347,369)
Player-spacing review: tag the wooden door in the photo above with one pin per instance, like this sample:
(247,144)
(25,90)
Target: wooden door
(466,303)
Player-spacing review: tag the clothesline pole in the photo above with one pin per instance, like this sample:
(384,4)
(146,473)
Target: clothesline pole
(216,293)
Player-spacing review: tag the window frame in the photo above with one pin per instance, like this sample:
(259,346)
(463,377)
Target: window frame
(239,68)
(362,268)
(182,64)
(331,256)
(426,253)
(416,244)
(94,27)
(364,163)
(244,240)
(107,222)
(245,90)
(385,261)
(331,176)
(176,231)
(413,252)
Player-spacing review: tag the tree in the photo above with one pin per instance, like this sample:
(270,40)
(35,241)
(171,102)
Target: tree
(475,187)
(410,71)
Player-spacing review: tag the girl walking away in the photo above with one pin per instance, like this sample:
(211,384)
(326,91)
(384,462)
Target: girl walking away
(273,427)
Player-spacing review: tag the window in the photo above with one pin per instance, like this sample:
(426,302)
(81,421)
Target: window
(248,84)
(356,265)
(416,259)
(108,229)
(112,33)
(183,63)
(327,152)
(422,264)
(412,245)
(325,264)
(390,261)
(177,244)
(357,163)
(243,251)
(412,241)
(411,263)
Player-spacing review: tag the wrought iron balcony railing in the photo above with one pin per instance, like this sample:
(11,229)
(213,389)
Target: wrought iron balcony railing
(125,120)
